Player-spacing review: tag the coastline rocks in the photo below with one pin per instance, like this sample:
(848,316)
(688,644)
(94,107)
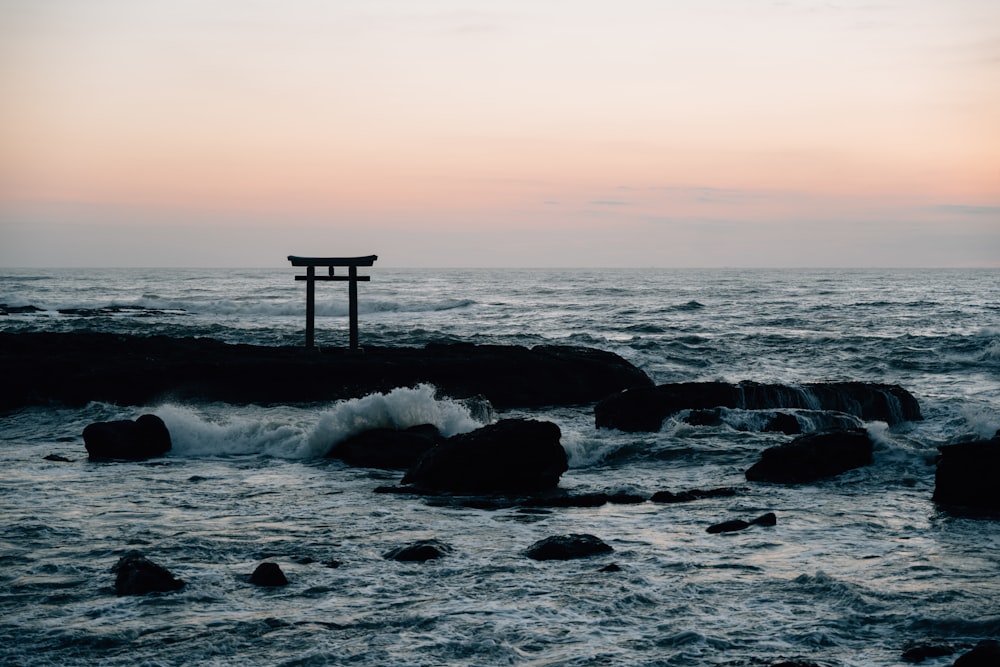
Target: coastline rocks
(418,552)
(566,547)
(692,494)
(137,575)
(268,575)
(814,456)
(77,368)
(143,438)
(644,408)
(387,448)
(510,456)
(968,475)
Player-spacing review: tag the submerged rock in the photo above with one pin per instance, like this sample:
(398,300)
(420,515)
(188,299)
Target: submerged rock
(768,519)
(644,408)
(418,552)
(144,438)
(510,456)
(692,494)
(814,456)
(566,547)
(387,448)
(968,475)
(137,575)
(268,574)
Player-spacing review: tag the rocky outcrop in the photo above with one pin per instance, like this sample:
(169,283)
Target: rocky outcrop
(387,448)
(144,438)
(268,575)
(77,368)
(510,456)
(968,475)
(985,654)
(813,456)
(644,408)
(566,547)
(137,575)
(418,552)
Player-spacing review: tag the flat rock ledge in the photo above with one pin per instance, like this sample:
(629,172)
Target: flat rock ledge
(76,368)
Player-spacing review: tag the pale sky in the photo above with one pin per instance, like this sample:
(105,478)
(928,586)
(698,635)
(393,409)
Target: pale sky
(545,133)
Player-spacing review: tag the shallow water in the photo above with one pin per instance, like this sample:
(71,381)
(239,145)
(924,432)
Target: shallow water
(857,568)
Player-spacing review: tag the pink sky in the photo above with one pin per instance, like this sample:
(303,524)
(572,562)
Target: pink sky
(467,133)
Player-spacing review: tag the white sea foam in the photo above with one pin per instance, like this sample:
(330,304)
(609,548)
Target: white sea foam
(195,433)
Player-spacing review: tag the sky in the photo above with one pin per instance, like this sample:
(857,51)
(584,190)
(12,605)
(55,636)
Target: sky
(465,133)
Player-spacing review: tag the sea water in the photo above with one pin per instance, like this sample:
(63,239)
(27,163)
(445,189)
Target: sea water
(858,568)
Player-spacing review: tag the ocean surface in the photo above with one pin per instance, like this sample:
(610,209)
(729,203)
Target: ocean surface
(858,569)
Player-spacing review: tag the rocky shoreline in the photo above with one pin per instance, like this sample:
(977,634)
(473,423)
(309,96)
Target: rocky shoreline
(76,368)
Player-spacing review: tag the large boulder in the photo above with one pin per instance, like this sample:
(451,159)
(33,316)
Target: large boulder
(985,654)
(143,438)
(644,408)
(137,575)
(387,448)
(510,456)
(268,575)
(813,456)
(968,475)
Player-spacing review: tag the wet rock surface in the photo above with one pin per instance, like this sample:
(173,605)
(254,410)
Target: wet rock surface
(812,457)
(968,476)
(144,438)
(137,575)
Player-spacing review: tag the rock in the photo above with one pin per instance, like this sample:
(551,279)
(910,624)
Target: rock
(783,422)
(924,651)
(565,547)
(568,500)
(510,456)
(137,575)
(813,456)
(692,494)
(611,567)
(968,475)
(58,458)
(728,526)
(144,438)
(644,408)
(387,448)
(985,654)
(711,417)
(418,552)
(768,519)
(268,574)
(77,368)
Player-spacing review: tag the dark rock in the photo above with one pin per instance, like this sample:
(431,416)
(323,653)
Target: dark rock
(510,456)
(968,475)
(768,519)
(137,575)
(77,368)
(814,456)
(268,574)
(986,654)
(692,494)
(785,423)
(568,500)
(611,567)
(387,448)
(728,526)
(332,564)
(705,417)
(623,498)
(924,651)
(565,547)
(58,458)
(418,552)
(143,438)
(19,310)
(644,408)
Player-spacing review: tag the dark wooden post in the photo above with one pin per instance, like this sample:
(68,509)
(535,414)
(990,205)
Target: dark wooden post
(352,288)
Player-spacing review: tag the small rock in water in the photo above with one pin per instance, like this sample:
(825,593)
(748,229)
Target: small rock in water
(768,519)
(565,547)
(924,651)
(611,567)
(58,458)
(418,552)
(268,574)
(137,575)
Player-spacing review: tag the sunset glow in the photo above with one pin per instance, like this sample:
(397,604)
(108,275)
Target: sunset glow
(630,134)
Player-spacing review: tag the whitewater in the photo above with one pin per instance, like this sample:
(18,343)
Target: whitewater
(858,569)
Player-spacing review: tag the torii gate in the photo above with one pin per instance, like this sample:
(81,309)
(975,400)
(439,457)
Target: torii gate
(352,277)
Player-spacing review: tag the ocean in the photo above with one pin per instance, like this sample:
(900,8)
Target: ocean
(858,568)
